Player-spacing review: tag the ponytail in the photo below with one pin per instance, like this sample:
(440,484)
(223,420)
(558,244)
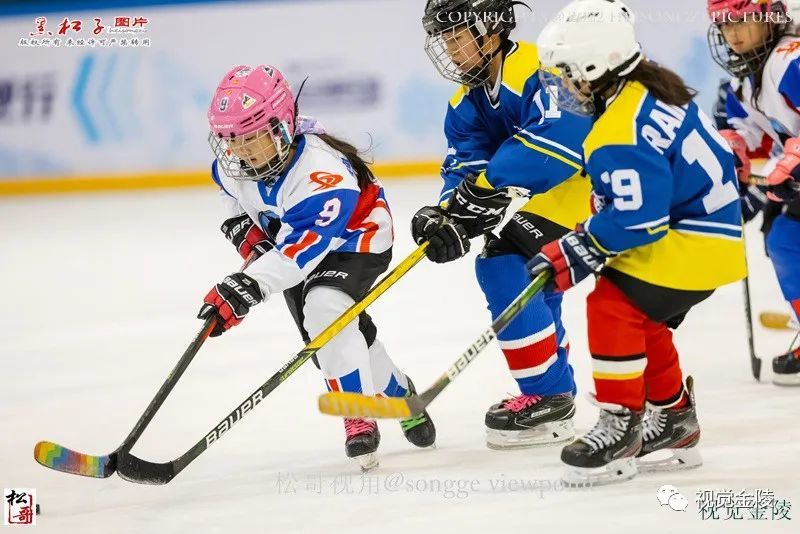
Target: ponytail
(662,83)
(359,165)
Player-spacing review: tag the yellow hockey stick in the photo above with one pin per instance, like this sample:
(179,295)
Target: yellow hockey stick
(355,405)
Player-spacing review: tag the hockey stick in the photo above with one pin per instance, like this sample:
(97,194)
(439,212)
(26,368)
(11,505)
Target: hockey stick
(778,321)
(60,458)
(755,361)
(142,471)
(356,405)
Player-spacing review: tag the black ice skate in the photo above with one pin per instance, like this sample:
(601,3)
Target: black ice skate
(674,430)
(419,429)
(606,453)
(362,442)
(786,369)
(530,421)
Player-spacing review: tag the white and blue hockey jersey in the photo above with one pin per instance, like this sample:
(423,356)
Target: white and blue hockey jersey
(321,209)
(778,113)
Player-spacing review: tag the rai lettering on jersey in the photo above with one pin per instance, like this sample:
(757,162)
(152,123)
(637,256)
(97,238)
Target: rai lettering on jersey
(19,507)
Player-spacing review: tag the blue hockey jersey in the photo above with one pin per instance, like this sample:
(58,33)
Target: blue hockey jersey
(667,189)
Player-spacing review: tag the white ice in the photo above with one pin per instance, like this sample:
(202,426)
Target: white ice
(97,301)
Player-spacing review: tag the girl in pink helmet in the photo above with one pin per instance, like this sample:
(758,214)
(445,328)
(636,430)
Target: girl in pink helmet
(317,219)
(754,41)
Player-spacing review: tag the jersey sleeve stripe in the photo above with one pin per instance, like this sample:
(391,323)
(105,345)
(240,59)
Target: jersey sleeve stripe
(307,240)
(550,153)
(552,143)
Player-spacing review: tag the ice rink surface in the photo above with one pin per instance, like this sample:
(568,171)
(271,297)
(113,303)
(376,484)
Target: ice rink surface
(99,295)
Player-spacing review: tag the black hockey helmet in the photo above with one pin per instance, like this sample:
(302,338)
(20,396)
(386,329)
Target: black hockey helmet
(444,19)
(496,15)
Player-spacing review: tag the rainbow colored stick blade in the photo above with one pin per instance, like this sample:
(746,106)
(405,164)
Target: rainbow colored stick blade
(354,405)
(62,459)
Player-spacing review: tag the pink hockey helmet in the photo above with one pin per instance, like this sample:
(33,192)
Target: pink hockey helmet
(722,12)
(252,120)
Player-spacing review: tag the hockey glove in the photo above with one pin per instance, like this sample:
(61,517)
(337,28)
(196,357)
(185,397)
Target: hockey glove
(739,147)
(784,181)
(477,209)
(571,259)
(448,240)
(246,236)
(230,300)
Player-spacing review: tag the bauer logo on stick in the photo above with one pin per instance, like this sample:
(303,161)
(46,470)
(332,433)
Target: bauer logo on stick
(19,506)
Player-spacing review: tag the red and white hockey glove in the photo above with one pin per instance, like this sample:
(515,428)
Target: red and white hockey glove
(246,236)
(739,146)
(571,259)
(784,180)
(230,300)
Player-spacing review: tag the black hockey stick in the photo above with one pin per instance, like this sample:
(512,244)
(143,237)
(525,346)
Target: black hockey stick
(355,405)
(135,469)
(755,361)
(60,458)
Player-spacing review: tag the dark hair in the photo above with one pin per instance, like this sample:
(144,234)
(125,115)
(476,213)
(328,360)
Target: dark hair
(662,83)
(360,166)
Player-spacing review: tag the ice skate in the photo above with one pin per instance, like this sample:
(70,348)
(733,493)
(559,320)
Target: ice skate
(674,431)
(419,429)
(606,454)
(363,438)
(530,421)
(786,369)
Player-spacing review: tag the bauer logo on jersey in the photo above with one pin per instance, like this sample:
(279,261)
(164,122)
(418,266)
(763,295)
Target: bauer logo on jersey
(247,100)
(325,180)
(19,506)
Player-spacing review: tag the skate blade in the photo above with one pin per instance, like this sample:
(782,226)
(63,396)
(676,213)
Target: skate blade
(678,460)
(367,462)
(543,435)
(790,380)
(616,471)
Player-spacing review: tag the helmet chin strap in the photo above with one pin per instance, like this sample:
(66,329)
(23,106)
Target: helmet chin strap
(613,79)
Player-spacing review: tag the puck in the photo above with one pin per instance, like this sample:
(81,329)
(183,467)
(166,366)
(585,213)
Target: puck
(38,510)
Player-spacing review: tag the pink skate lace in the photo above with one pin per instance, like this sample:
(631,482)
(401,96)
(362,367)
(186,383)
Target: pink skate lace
(521,402)
(355,427)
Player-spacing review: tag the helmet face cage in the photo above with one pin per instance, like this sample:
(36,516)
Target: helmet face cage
(739,65)
(749,63)
(563,88)
(442,46)
(260,156)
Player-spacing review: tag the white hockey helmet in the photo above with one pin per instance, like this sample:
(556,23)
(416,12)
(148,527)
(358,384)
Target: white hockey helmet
(587,46)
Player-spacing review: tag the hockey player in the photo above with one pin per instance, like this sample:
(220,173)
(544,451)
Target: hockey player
(753,42)
(666,234)
(506,136)
(310,208)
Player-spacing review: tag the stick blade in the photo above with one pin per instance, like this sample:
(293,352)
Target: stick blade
(59,458)
(775,320)
(355,405)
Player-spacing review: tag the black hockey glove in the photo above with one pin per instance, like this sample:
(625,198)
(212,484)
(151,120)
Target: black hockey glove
(477,209)
(448,240)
